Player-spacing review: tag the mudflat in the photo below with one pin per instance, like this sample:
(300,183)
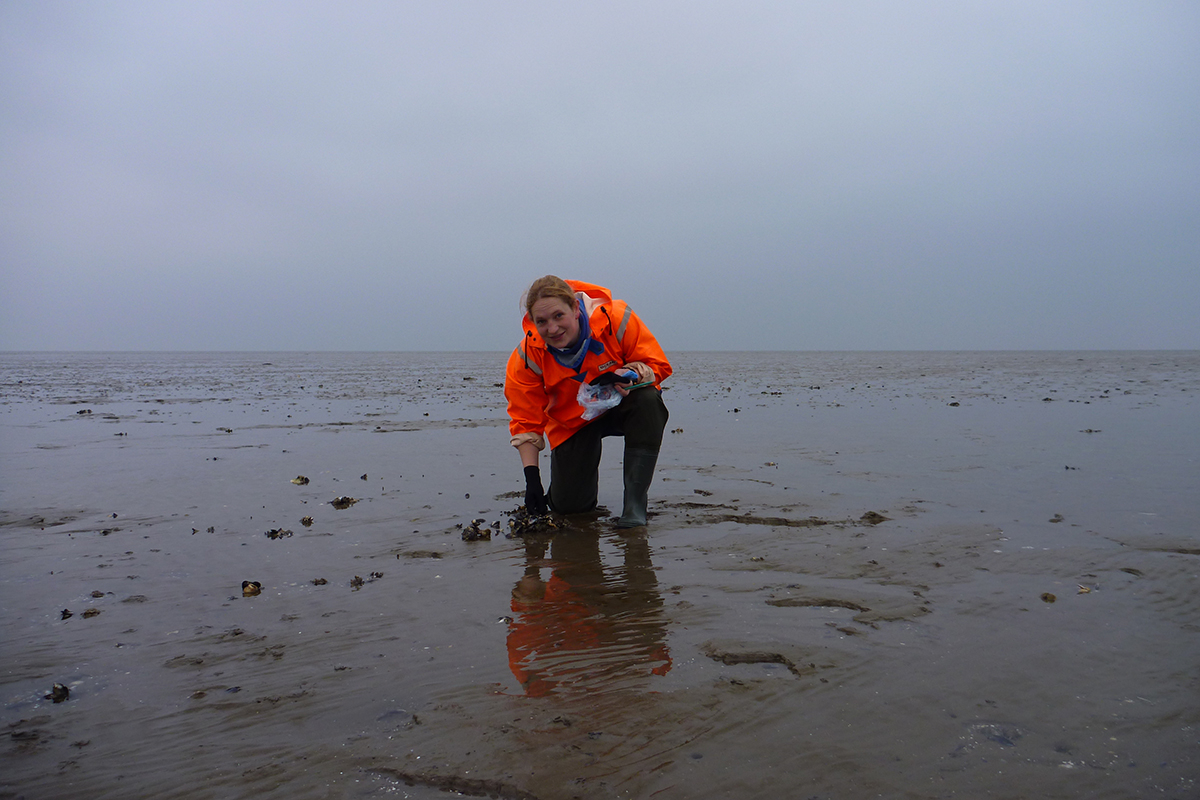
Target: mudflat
(287,575)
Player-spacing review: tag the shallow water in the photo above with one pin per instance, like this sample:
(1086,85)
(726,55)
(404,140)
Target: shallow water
(759,639)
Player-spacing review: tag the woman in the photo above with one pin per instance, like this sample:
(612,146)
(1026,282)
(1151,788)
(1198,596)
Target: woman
(575,332)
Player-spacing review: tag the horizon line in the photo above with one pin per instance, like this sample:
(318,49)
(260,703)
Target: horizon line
(678,350)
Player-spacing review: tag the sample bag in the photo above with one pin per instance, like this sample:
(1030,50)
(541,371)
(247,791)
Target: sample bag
(597,399)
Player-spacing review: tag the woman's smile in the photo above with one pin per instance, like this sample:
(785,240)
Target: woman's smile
(556,322)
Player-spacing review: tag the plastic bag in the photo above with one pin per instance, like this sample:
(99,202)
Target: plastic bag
(597,399)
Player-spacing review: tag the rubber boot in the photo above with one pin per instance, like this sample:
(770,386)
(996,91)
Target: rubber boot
(639,472)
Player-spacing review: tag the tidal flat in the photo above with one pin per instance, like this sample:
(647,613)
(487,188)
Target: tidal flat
(900,575)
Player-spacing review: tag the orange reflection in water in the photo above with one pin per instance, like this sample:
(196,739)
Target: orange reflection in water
(585,627)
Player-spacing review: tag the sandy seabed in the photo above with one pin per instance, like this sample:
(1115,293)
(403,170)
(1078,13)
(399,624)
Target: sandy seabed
(898,575)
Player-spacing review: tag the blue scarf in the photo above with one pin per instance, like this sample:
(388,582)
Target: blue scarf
(573,356)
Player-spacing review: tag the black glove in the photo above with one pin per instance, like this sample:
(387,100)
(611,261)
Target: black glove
(535,498)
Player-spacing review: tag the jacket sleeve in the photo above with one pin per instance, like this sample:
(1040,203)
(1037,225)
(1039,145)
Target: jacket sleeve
(639,344)
(527,400)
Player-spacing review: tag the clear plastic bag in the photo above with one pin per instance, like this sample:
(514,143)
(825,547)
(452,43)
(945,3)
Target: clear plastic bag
(597,399)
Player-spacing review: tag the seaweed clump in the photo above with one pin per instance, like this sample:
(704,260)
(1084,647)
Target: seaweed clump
(522,523)
(476,532)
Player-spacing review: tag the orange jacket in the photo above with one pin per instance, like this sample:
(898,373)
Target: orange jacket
(541,392)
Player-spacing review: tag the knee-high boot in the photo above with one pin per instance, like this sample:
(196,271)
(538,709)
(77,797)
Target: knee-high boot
(639,472)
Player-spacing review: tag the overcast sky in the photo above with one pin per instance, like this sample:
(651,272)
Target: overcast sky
(748,175)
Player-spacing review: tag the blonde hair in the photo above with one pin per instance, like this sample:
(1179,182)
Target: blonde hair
(550,286)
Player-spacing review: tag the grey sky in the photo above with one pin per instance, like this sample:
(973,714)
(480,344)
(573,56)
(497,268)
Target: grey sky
(390,176)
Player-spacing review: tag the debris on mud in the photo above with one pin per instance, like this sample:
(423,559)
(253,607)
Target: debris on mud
(300,480)
(251,588)
(306,521)
(66,613)
(873,518)
(319,582)
(522,523)
(357,582)
(278,533)
(91,612)
(58,693)
(344,502)
(476,532)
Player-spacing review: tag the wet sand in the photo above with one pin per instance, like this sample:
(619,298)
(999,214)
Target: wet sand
(910,575)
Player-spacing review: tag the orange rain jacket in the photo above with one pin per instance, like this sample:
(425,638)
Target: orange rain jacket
(542,393)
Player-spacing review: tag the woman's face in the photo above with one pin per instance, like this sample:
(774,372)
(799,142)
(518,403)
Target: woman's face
(556,322)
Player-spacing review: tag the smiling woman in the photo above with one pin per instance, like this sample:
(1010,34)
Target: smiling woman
(576,337)
(555,312)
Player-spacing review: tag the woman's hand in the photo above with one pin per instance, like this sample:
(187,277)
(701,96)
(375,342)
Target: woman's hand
(644,375)
(535,498)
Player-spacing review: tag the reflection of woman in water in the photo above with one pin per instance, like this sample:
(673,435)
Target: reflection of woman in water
(583,630)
